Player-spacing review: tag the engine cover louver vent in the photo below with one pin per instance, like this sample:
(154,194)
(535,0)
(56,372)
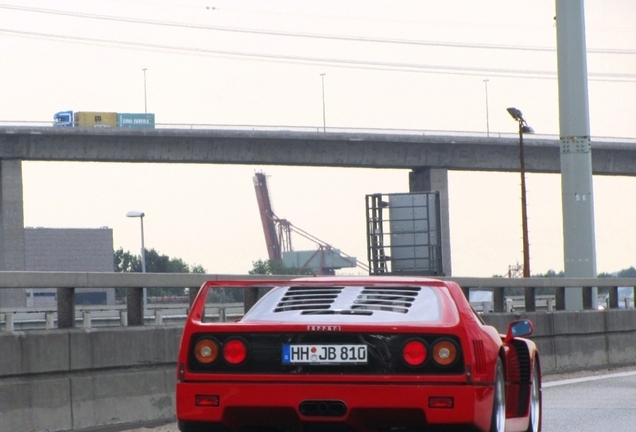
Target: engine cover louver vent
(373,302)
(386,299)
(364,301)
(307,299)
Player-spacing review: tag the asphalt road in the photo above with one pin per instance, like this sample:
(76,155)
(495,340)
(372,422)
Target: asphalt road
(582,402)
(596,403)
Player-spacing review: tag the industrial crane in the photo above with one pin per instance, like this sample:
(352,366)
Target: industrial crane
(325,260)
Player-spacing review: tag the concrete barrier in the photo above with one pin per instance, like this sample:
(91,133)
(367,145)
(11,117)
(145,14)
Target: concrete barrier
(72,379)
(84,378)
(577,340)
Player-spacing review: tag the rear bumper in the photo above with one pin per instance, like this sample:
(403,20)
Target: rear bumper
(367,406)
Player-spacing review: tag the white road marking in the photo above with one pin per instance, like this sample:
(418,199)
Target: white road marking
(586,379)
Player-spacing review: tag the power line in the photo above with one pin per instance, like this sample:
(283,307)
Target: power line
(310,35)
(364,64)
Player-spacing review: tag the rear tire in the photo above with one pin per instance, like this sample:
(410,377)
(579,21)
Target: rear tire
(534,408)
(498,419)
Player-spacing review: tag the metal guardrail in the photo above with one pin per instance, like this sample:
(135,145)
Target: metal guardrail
(558,285)
(28,318)
(65,315)
(545,303)
(66,282)
(18,319)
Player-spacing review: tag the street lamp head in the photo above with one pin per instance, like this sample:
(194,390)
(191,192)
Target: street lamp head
(527,129)
(515,113)
(135,213)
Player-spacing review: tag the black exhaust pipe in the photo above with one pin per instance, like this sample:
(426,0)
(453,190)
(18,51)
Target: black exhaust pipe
(323,408)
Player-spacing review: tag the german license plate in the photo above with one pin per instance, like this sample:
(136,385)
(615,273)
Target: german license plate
(324,354)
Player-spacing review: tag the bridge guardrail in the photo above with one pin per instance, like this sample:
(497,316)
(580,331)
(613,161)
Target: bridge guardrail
(34,318)
(66,282)
(26,318)
(321,129)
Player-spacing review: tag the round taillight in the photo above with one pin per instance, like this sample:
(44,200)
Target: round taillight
(414,353)
(445,352)
(235,351)
(206,351)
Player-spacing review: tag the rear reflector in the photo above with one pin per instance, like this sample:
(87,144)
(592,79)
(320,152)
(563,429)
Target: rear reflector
(181,374)
(440,402)
(207,400)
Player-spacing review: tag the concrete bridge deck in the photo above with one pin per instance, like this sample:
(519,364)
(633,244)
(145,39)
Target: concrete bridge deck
(357,148)
(429,156)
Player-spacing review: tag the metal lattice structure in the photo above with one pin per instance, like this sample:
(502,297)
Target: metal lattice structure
(404,234)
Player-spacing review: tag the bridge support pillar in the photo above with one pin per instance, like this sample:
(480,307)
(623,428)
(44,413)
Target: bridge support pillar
(135,306)
(65,307)
(426,179)
(11,228)
(250,298)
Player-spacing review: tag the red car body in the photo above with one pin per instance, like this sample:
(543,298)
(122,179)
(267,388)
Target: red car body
(355,353)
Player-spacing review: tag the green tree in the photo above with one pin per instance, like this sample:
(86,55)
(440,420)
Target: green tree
(126,262)
(269,267)
(551,274)
(155,263)
(627,273)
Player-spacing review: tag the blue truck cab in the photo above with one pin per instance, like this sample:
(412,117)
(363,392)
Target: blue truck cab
(63,119)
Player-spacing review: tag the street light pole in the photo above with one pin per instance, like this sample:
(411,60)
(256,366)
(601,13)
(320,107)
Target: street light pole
(487,122)
(324,118)
(145,100)
(140,215)
(523,128)
(524,208)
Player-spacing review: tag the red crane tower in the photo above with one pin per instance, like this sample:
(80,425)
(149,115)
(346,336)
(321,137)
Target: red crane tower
(278,235)
(277,231)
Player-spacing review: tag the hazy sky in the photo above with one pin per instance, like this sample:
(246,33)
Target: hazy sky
(389,64)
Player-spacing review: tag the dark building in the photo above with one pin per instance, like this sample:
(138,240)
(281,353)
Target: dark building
(64,249)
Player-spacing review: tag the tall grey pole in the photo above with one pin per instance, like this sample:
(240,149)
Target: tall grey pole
(487,120)
(145,100)
(324,118)
(576,150)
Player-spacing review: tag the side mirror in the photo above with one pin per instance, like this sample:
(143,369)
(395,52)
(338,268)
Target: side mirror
(519,329)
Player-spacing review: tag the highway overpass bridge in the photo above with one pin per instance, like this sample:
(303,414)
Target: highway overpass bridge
(427,155)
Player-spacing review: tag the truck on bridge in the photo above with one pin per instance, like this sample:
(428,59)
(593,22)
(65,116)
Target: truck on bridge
(91,119)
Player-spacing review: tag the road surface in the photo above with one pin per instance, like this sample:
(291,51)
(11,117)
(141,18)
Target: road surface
(580,402)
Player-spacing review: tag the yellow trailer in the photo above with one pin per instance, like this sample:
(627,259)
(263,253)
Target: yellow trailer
(95,119)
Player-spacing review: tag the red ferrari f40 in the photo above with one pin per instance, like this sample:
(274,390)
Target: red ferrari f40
(355,354)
